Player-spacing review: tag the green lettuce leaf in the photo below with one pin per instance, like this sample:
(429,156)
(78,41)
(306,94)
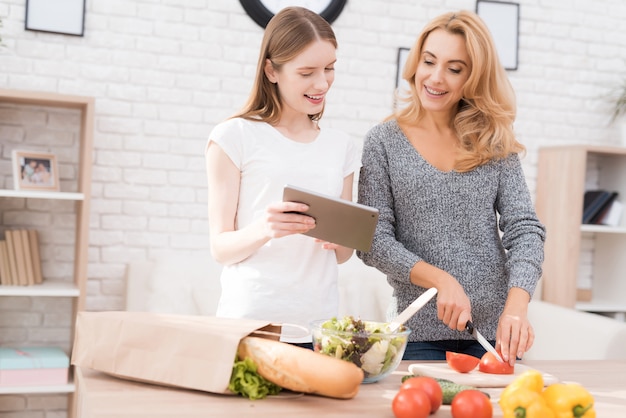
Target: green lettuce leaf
(247,382)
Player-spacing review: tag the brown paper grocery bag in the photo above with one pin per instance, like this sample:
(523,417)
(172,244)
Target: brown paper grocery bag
(193,352)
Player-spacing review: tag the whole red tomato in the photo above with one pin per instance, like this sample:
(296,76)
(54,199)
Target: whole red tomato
(462,363)
(490,364)
(411,403)
(471,403)
(428,385)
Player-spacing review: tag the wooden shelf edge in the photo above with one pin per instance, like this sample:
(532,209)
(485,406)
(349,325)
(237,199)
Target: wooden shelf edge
(596,149)
(44,98)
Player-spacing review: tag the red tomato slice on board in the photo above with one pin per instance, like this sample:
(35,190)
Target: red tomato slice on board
(490,364)
(462,363)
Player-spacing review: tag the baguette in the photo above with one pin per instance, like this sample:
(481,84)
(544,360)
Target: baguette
(302,370)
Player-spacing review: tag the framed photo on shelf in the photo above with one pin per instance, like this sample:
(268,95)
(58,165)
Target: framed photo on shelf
(35,171)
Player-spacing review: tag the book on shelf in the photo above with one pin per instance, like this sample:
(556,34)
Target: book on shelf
(5,272)
(20,257)
(20,263)
(584,295)
(28,259)
(604,209)
(8,235)
(594,202)
(33,240)
(613,215)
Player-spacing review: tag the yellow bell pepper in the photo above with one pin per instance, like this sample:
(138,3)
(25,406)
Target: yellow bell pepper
(569,400)
(525,403)
(529,379)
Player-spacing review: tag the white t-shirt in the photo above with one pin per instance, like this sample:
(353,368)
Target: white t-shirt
(290,280)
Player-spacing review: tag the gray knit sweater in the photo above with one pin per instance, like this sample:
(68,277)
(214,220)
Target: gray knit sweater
(453,221)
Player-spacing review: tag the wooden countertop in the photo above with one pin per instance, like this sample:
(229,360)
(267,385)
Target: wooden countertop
(102,396)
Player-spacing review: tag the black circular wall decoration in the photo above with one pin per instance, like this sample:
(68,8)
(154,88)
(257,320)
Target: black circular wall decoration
(261,10)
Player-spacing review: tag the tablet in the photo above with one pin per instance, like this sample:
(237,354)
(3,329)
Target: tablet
(336,220)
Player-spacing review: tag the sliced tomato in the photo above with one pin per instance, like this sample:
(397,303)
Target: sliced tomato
(462,363)
(490,364)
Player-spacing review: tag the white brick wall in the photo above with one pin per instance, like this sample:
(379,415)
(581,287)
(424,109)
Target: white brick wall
(164,72)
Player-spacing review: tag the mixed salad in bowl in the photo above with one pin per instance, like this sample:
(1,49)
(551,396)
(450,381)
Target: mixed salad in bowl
(368,344)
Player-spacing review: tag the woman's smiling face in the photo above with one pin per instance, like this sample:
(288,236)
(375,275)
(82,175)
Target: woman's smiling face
(442,71)
(304,81)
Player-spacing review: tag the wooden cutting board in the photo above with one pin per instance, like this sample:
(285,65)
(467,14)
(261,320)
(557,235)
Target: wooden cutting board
(474,378)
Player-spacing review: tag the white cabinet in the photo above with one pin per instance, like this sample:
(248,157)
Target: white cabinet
(564,174)
(74,197)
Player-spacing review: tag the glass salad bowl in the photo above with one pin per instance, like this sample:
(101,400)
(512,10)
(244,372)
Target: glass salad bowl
(367,344)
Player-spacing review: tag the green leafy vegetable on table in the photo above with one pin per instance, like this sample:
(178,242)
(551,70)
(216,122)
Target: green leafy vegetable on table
(245,381)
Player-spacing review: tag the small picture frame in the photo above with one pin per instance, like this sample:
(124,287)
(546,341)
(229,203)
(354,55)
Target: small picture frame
(502,19)
(403,54)
(65,17)
(35,171)
(402,86)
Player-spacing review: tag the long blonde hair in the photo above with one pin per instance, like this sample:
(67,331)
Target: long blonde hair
(287,34)
(485,116)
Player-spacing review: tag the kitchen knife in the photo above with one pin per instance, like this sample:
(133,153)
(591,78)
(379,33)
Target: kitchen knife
(482,340)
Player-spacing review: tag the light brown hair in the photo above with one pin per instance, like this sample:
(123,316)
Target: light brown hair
(484,120)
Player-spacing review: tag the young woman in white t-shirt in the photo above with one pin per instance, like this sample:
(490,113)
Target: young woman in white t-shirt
(271,271)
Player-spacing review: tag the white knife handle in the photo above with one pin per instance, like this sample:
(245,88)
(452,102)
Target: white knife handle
(412,309)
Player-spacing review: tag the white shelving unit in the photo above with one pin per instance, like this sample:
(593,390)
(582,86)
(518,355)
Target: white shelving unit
(49,288)
(30,390)
(564,174)
(42,195)
(73,288)
(601,229)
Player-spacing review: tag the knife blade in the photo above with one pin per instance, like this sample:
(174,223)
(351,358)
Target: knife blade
(469,326)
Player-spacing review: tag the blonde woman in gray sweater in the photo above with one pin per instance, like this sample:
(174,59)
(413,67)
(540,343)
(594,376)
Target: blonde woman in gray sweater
(455,210)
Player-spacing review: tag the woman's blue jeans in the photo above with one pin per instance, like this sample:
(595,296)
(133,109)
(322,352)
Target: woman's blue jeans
(436,350)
